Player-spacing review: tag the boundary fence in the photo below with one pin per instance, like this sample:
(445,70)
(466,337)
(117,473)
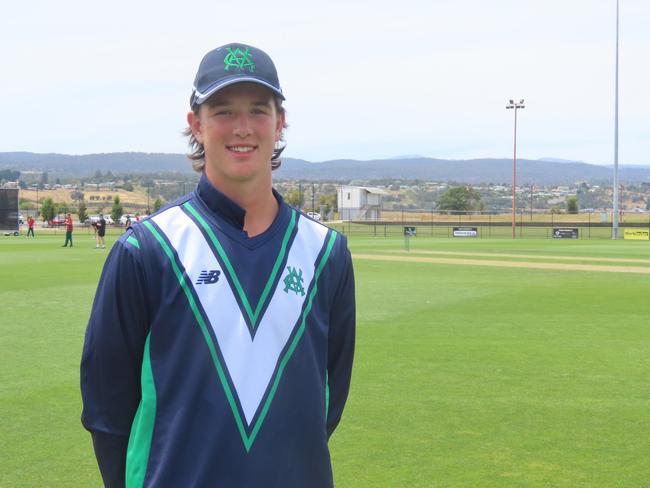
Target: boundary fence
(589,225)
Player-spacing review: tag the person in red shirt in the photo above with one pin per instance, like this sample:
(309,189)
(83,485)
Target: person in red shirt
(68,231)
(30,226)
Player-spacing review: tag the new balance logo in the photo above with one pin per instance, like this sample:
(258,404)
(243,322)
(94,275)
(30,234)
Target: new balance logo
(208,277)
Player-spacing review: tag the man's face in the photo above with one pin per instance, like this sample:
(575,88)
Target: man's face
(238,128)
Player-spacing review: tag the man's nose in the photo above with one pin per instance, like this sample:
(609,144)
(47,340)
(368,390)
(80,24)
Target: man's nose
(242,125)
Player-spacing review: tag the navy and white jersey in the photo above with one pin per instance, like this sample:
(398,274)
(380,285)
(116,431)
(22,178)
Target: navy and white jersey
(225,360)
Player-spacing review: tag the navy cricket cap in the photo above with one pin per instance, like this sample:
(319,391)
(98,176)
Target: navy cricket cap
(230,64)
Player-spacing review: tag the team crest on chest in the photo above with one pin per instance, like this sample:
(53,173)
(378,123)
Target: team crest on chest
(293,281)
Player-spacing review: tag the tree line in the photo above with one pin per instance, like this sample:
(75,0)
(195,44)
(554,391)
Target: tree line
(50,209)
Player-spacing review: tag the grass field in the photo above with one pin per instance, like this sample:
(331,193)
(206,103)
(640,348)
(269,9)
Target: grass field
(468,372)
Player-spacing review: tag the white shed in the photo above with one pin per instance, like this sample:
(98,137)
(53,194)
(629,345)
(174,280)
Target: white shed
(359,202)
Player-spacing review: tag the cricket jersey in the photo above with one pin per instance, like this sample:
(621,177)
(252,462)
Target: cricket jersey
(225,360)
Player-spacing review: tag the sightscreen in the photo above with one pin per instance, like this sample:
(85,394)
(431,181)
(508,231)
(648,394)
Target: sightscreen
(9,209)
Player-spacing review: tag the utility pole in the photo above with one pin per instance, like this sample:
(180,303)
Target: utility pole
(615,184)
(516,106)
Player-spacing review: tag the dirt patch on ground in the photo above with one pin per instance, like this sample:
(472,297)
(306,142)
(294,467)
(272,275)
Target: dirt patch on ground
(505,264)
(536,256)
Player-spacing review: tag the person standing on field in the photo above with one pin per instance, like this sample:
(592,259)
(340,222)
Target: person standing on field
(68,230)
(220,344)
(30,226)
(100,232)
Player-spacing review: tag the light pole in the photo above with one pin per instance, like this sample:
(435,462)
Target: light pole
(516,106)
(615,183)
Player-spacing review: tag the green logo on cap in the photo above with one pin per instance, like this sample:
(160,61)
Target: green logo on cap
(238,59)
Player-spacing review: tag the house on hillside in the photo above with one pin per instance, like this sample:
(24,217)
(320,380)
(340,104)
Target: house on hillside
(359,202)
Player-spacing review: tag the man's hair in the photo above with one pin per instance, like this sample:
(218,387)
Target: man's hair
(197,151)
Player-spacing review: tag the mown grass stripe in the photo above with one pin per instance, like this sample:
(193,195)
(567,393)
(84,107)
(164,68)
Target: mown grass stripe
(530,256)
(504,264)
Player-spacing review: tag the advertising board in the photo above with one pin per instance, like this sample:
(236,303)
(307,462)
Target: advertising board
(465,232)
(636,234)
(565,233)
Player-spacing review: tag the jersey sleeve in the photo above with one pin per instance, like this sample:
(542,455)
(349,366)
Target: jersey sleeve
(341,340)
(114,342)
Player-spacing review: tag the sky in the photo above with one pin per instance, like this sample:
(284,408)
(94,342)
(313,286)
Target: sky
(363,80)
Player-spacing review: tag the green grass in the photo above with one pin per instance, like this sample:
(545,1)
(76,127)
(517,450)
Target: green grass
(464,375)
(473,376)
(46,293)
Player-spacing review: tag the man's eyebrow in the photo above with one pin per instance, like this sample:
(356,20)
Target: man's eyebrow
(225,102)
(217,103)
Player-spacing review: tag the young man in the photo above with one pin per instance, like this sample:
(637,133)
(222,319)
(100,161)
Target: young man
(100,232)
(30,226)
(68,230)
(220,344)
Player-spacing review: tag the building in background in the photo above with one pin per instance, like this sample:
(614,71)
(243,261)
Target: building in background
(359,202)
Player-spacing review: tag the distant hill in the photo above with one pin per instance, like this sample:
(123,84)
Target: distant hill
(538,172)
(463,171)
(559,160)
(129,162)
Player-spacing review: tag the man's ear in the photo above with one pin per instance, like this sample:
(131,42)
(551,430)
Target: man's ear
(194,121)
(279,126)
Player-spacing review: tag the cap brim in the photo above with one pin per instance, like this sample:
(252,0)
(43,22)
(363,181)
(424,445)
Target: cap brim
(200,97)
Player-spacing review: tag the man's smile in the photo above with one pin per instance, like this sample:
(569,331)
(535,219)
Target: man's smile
(241,149)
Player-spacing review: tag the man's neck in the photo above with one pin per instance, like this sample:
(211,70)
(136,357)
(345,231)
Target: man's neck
(256,199)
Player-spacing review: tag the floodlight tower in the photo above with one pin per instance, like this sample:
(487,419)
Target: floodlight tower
(615,183)
(516,106)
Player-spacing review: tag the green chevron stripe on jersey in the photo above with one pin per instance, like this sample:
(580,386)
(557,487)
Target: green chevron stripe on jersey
(133,241)
(137,453)
(327,395)
(204,329)
(254,364)
(252,315)
(296,339)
